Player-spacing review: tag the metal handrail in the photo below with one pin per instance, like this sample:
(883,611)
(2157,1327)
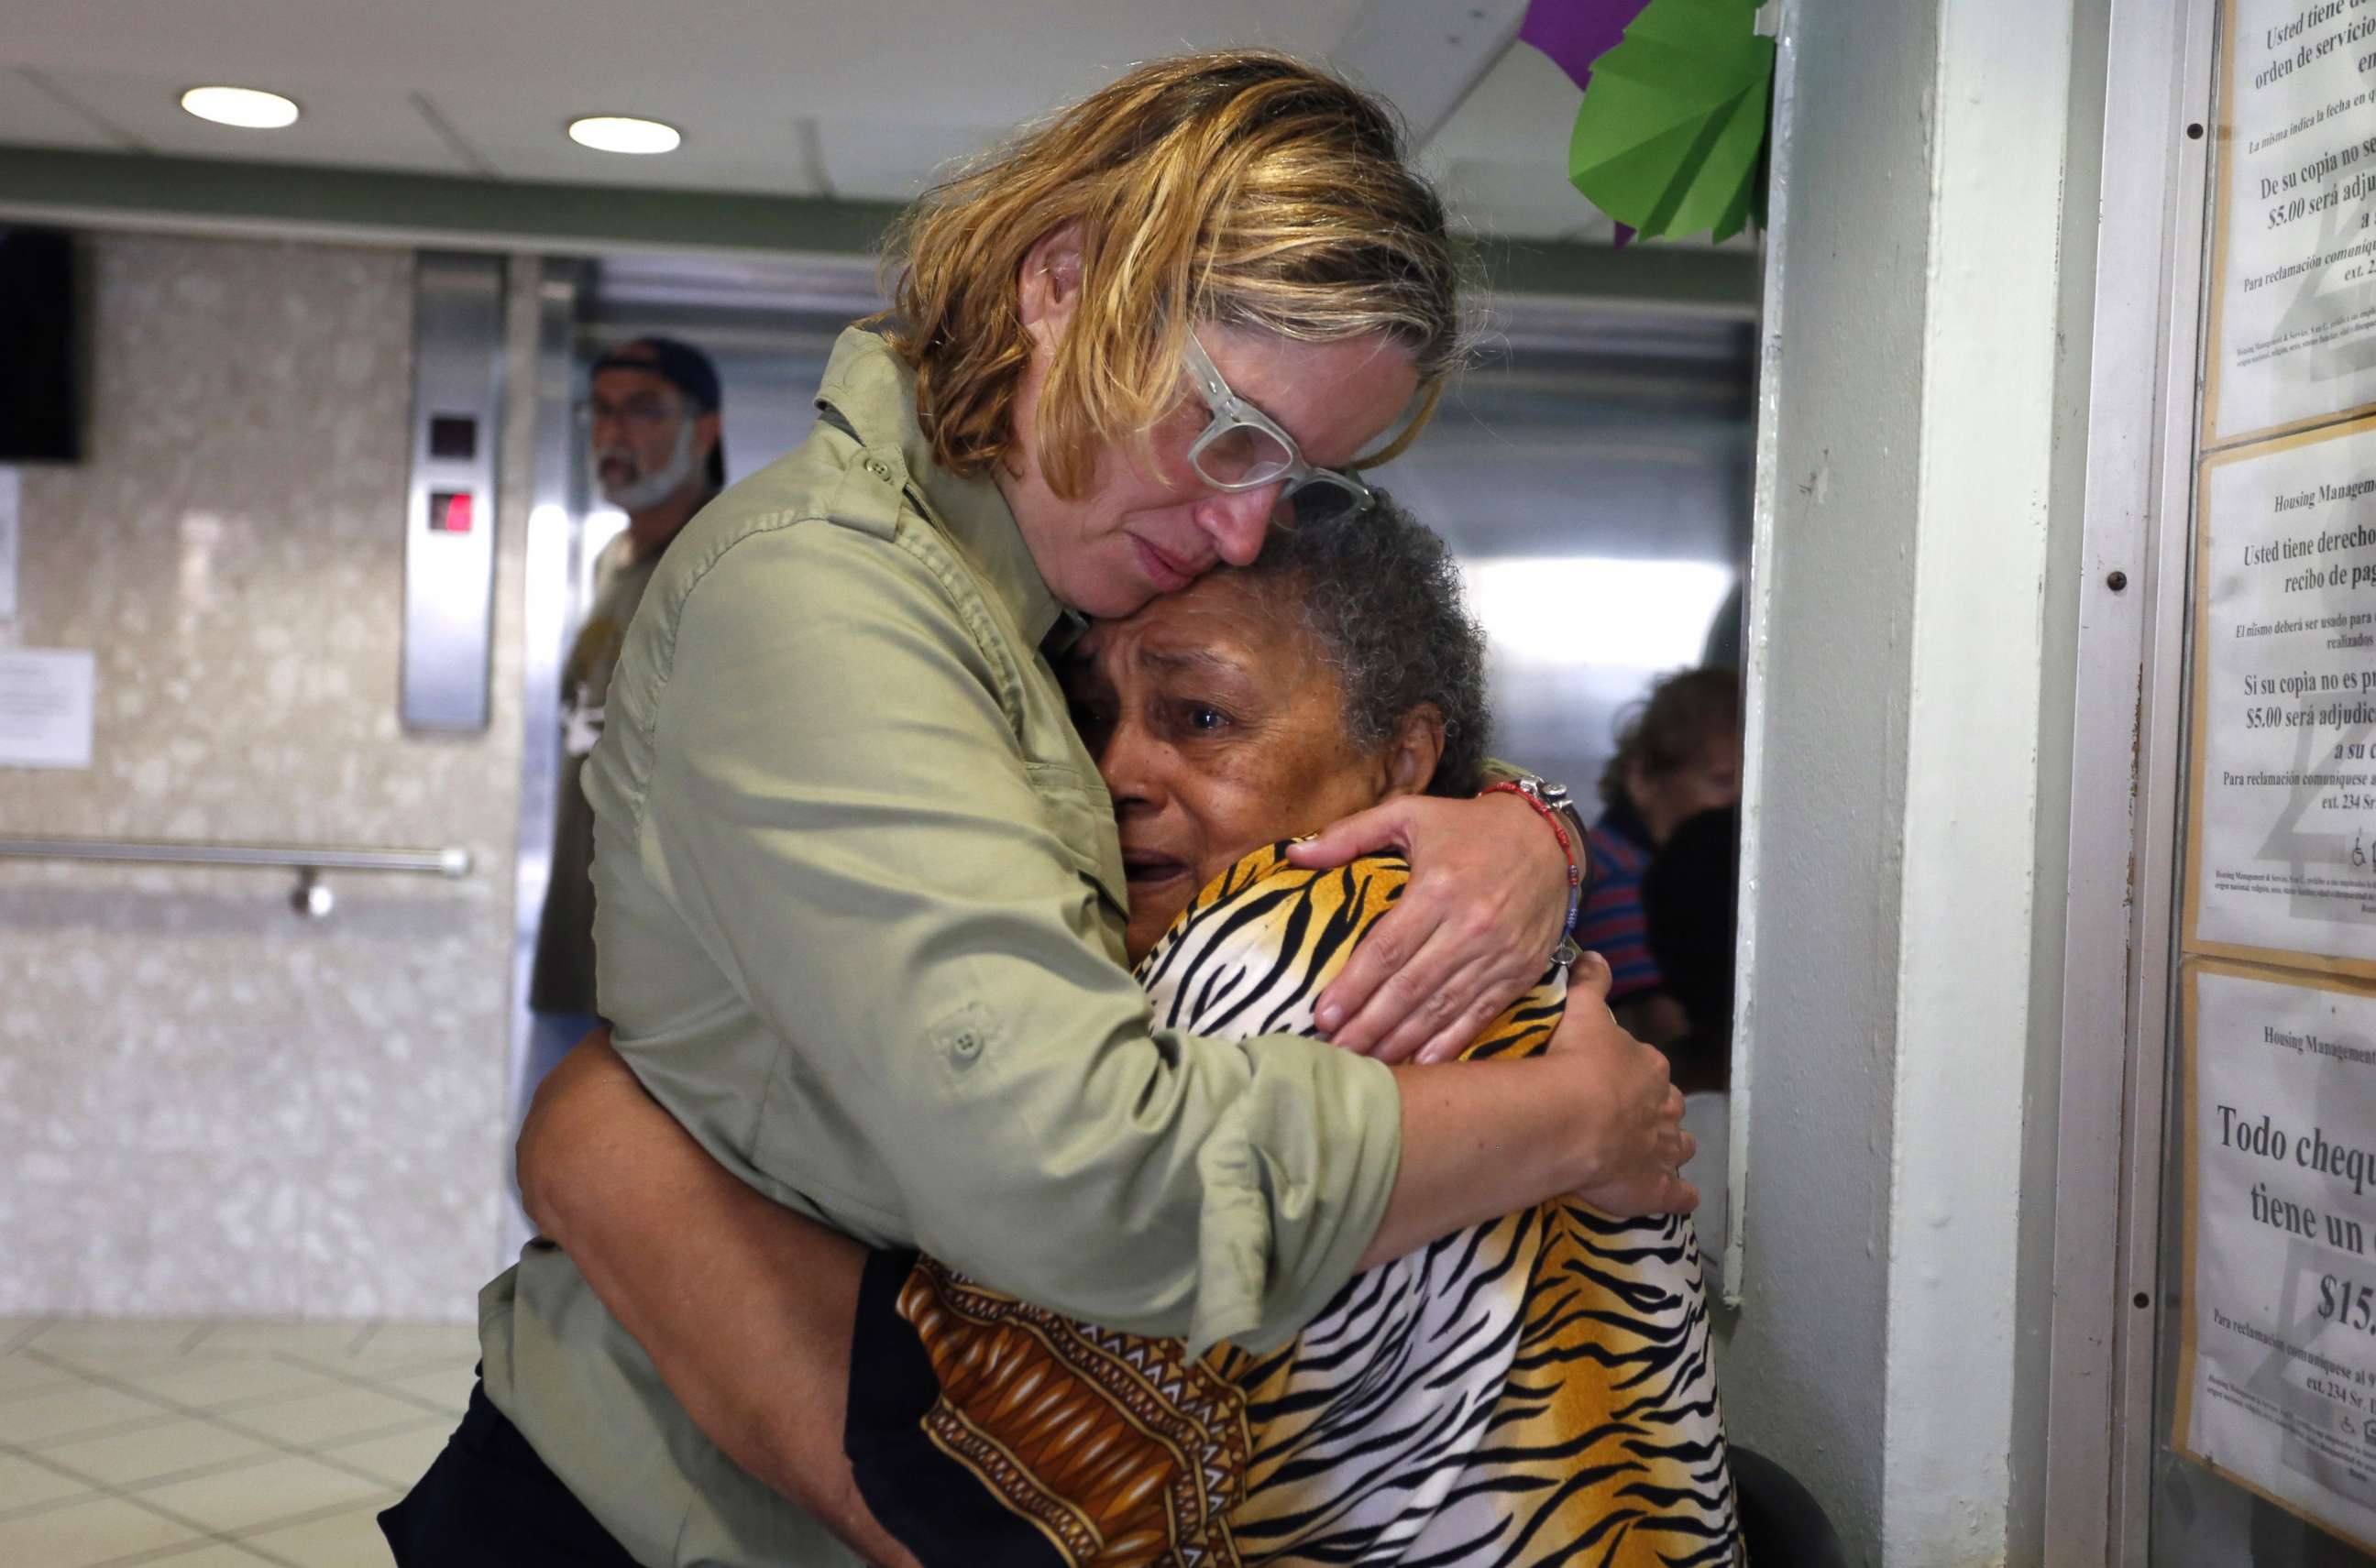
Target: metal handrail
(286,857)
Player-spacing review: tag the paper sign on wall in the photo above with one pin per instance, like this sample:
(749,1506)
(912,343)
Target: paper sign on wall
(2293,327)
(2283,857)
(46,707)
(2275,1118)
(2276,1378)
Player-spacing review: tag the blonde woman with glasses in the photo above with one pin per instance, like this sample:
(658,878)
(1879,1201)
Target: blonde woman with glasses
(861,902)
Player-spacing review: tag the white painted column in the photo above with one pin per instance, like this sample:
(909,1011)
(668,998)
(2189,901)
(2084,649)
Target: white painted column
(1903,746)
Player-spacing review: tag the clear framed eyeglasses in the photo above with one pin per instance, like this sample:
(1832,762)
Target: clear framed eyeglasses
(1244,448)
(641,411)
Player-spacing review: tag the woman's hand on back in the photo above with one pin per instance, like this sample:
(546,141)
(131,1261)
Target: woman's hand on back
(1634,1121)
(1593,1117)
(1484,911)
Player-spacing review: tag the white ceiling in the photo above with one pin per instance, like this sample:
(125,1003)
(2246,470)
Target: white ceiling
(783,97)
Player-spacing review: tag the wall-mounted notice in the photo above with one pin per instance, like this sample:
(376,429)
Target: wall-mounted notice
(2293,325)
(2282,852)
(46,707)
(2276,1378)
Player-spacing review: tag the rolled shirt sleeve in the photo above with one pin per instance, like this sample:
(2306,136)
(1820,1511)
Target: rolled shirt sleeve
(832,785)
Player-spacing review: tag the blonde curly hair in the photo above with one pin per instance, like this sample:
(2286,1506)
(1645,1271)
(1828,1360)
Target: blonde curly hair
(1243,187)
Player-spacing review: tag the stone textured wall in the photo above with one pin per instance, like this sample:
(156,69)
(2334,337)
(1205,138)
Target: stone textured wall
(206,1104)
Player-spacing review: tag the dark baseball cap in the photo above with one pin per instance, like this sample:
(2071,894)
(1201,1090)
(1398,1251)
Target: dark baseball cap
(684,367)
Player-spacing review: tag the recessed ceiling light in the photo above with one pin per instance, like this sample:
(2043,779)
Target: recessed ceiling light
(246,107)
(623,132)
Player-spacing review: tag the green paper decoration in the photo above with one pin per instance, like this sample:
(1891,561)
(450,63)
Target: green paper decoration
(1670,138)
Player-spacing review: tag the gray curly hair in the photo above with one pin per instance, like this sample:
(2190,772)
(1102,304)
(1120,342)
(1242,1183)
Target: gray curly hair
(1381,598)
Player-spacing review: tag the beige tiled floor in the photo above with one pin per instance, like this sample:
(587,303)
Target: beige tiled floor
(194,1444)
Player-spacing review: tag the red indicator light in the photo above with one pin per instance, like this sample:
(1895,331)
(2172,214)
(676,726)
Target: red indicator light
(449,512)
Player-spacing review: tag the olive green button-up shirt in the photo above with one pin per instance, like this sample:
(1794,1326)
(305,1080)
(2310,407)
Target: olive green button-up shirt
(859,925)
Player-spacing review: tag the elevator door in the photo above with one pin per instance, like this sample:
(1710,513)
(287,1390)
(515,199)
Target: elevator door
(770,329)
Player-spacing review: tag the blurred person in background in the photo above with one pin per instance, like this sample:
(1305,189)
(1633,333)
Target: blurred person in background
(1690,898)
(652,437)
(1677,756)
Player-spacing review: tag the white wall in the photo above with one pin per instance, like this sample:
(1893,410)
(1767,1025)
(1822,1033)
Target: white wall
(1893,857)
(206,1105)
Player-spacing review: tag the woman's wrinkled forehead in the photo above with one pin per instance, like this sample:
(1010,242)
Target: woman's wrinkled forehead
(1227,622)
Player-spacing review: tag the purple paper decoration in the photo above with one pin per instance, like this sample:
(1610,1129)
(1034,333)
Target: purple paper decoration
(1577,32)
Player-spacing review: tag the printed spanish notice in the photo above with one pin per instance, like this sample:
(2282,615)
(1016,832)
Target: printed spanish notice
(2277,1376)
(2282,847)
(2293,327)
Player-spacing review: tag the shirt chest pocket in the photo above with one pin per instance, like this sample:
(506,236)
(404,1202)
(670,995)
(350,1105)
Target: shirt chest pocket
(1082,816)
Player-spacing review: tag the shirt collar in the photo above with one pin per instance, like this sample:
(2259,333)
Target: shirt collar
(866,384)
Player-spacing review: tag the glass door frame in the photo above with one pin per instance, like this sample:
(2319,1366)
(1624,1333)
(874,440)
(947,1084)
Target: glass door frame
(2161,131)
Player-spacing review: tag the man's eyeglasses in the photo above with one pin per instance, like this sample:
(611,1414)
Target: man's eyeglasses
(1244,448)
(645,411)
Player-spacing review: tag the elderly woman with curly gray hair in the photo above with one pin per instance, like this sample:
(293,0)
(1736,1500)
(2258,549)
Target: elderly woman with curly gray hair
(1511,1393)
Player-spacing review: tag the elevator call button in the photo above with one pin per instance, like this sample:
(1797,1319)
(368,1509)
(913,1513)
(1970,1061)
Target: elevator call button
(450,511)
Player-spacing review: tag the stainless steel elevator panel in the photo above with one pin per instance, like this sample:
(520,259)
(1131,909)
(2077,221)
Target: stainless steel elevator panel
(449,523)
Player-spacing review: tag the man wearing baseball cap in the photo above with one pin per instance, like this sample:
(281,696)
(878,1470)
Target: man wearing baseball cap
(652,435)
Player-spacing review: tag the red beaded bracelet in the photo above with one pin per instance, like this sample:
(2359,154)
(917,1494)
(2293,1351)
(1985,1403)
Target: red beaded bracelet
(1567,848)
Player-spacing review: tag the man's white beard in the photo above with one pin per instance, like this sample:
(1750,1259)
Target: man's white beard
(639,494)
